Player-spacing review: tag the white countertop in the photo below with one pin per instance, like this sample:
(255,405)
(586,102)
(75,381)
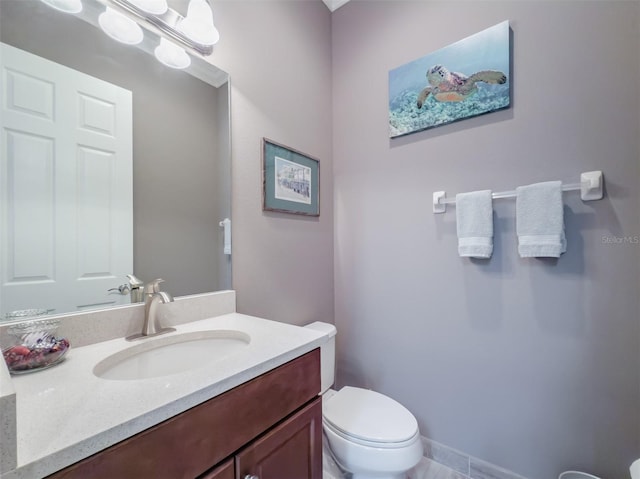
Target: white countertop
(66,413)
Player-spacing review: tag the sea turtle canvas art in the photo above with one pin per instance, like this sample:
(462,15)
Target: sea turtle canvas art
(453,86)
(465,79)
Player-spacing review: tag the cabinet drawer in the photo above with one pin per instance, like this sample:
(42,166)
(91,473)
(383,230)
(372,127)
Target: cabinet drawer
(188,444)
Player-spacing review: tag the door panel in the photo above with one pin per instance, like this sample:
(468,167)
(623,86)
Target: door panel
(30,172)
(29,95)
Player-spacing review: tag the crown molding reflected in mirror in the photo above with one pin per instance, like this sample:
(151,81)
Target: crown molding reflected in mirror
(66,6)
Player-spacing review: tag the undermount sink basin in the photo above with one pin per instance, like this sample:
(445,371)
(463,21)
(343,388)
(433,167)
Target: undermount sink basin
(171,354)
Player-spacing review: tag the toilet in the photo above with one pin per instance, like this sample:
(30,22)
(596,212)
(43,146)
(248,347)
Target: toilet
(369,434)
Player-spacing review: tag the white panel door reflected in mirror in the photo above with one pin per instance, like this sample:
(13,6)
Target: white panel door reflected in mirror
(67,224)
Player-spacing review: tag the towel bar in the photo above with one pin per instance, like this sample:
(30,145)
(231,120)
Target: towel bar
(590,187)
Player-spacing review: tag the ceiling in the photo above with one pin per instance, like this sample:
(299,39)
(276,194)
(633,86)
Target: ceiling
(333,5)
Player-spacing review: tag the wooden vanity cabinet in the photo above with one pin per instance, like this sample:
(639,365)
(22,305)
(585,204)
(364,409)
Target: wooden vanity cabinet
(269,427)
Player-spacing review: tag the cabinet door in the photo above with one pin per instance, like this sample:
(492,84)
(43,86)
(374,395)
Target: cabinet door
(225,471)
(291,450)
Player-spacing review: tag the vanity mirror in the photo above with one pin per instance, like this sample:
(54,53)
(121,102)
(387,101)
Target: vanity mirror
(161,220)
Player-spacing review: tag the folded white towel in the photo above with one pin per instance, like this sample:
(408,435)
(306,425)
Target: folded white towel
(474,217)
(540,220)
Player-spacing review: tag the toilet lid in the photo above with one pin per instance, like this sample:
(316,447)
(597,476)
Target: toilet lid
(369,416)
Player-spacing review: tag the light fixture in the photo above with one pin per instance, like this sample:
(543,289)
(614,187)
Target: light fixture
(155,7)
(198,24)
(195,31)
(171,55)
(67,6)
(122,20)
(120,27)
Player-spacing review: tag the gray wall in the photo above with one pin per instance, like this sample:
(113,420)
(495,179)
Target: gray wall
(180,144)
(529,364)
(278,54)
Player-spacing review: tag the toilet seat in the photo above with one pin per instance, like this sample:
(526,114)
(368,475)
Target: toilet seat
(369,418)
(374,444)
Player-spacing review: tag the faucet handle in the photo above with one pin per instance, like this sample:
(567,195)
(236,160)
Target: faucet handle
(153,286)
(135,282)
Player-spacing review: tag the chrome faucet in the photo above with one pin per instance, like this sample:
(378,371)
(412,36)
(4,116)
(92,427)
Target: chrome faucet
(152,298)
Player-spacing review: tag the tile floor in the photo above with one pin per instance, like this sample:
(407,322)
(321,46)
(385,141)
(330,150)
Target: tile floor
(451,464)
(426,469)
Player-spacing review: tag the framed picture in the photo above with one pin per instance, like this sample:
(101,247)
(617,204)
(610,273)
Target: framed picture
(290,180)
(465,79)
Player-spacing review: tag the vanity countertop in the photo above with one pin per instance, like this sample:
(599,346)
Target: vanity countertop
(66,413)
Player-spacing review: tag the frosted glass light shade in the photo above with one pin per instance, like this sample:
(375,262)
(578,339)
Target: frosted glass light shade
(172,55)
(67,6)
(198,24)
(119,27)
(156,7)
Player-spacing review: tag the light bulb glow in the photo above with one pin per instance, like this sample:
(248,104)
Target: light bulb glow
(156,7)
(198,24)
(172,55)
(119,27)
(67,6)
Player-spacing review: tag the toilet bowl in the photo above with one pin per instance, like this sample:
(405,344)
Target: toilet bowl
(369,434)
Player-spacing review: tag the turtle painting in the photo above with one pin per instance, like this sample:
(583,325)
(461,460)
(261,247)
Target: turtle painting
(447,95)
(446,86)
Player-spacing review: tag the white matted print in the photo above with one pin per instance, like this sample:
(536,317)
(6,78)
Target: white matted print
(292,181)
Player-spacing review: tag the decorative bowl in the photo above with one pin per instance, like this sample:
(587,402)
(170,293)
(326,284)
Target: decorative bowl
(35,346)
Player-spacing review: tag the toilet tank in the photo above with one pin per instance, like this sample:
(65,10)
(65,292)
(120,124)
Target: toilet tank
(327,354)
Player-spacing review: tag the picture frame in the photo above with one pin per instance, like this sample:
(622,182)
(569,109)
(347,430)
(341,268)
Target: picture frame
(465,79)
(290,180)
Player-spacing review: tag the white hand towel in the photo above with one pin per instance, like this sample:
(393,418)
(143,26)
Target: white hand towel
(540,220)
(474,217)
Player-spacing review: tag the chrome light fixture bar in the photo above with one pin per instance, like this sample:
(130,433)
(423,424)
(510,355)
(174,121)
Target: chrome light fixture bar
(168,23)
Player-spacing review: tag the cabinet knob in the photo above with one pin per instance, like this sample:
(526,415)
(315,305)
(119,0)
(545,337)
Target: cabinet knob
(251,476)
